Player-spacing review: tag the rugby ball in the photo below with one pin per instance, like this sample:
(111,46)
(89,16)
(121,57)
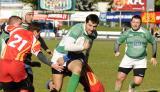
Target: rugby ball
(80,41)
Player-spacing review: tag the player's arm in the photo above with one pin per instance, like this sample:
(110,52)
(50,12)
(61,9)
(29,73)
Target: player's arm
(118,42)
(36,50)
(46,61)
(154,49)
(154,52)
(43,59)
(71,45)
(69,41)
(153,42)
(116,48)
(44,46)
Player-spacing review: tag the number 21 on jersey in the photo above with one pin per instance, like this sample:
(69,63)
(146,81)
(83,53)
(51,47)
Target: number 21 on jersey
(18,42)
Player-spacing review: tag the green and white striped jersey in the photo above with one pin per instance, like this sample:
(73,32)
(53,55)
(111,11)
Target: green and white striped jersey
(73,34)
(136,42)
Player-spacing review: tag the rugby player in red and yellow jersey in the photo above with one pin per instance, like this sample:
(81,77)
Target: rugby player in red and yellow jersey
(12,70)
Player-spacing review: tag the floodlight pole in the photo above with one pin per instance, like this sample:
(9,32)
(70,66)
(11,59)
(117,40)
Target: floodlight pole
(120,19)
(149,7)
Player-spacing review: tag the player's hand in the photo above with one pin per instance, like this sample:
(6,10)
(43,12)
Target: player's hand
(60,61)
(117,54)
(154,61)
(86,45)
(49,52)
(57,67)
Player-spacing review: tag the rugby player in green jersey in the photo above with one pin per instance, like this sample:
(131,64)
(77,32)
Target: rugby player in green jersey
(136,39)
(70,45)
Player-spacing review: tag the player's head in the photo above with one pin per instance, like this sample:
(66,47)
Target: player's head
(91,22)
(15,21)
(136,22)
(27,13)
(35,28)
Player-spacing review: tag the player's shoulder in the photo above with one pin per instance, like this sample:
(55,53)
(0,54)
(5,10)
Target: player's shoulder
(128,31)
(77,29)
(77,26)
(144,30)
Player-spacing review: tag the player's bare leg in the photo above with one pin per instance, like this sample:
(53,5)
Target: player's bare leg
(119,81)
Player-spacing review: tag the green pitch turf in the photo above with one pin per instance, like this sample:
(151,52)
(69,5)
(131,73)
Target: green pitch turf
(104,64)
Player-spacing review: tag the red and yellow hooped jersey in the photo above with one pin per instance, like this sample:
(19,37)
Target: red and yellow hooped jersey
(19,44)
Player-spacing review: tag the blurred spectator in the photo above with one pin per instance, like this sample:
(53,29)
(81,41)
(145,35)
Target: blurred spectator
(124,28)
(152,28)
(57,26)
(157,34)
(48,27)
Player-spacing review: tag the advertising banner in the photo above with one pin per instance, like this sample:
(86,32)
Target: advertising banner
(148,17)
(120,16)
(56,5)
(157,17)
(57,17)
(81,16)
(129,5)
(39,17)
(151,17)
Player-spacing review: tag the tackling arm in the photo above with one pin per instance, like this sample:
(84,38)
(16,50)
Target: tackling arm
(43,59)
(44,46)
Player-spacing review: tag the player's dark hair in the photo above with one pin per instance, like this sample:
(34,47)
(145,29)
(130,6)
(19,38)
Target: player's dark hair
(92,17)
(137,17)
(13,19)
(35,26)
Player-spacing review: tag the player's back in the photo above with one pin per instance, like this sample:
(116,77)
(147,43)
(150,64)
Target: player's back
(18,45)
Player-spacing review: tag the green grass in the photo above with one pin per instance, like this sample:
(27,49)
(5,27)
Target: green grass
(105,65)
(99,28)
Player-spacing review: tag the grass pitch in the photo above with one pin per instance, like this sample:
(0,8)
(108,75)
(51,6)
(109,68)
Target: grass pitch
(104,64)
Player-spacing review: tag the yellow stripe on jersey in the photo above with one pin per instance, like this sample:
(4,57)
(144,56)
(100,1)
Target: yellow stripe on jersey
(35,44)
(21,54)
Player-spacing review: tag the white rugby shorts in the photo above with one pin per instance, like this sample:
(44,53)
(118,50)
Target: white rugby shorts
(56,56)
(128,62)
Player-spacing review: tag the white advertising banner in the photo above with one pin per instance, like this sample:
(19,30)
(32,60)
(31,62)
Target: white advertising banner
(81,16)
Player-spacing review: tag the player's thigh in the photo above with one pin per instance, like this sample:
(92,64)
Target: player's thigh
(18,71)
(4,71)
(75,65)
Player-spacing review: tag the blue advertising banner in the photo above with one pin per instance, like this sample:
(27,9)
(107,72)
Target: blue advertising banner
(118,16)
